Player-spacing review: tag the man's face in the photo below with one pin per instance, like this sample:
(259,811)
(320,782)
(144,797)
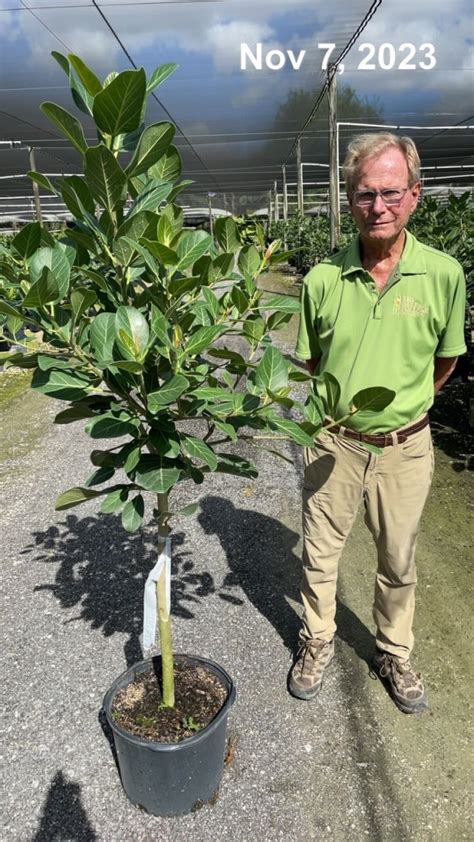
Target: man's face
(380,222)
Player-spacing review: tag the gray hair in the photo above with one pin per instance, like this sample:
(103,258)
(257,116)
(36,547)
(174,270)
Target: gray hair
(369,145)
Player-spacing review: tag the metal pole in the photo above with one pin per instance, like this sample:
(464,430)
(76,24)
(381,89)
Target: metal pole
(335,220)
(285,194)
(39,215)
(299,167)
(211,221)
(277,206)
(285,205)
(270,203)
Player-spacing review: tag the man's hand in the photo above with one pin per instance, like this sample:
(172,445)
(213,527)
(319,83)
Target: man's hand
(444,367)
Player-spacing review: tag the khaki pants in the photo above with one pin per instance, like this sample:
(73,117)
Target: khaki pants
(394,485)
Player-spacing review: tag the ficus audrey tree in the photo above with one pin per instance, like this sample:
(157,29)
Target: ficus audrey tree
(154,335)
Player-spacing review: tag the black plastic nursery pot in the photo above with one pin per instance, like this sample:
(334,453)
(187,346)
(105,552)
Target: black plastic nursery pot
(171,779)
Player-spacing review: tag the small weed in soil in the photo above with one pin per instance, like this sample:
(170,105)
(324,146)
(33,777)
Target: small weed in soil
(199,697)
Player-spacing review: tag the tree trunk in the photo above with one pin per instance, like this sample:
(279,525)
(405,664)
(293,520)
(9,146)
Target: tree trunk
(164,619)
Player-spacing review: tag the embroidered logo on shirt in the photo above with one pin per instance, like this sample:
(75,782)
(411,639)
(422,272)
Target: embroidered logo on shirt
(406,305)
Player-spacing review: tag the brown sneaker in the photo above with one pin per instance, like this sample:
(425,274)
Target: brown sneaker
(306,676)
(404,684)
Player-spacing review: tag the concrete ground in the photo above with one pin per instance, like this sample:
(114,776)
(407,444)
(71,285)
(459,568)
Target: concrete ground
(347,766)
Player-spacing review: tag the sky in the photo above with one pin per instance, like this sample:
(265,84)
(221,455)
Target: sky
(226,112)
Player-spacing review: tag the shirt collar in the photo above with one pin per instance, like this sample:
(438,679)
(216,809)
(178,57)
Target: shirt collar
(412,261)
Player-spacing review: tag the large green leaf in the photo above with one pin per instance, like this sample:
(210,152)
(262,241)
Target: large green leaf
(27,240)
(115,500)
(154,142)
(80,94)
(203,337)
(164,232)
(314,410)
(249,261)
(82,300)
(159,75)
(151,198)
(166,443)
(211,393)
(139,225)
(64,385)
(43,291)
(45,362)
(227,234)
(111,426)
(77,196)
(156,474)
(373,399)
(105,177)
(254,328)
(212,302)
(272,370)
(132,514)
(168,167)
(68,125)
(161,252)
(239,299)
(191,246)
(284,303)
(8,310)
(55,259)
(179,286)
(131,332)
(221,267)
(117,108)
(291,429)
(75,496)
(175,216)
(102,336)
(160,327)
(333,393)
(103,474)
(168,393)
(42,180)
(86,75)
(197,449)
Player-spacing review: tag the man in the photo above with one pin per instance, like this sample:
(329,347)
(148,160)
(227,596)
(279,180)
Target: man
(386,311)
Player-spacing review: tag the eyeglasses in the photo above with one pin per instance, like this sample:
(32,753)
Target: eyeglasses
(390,196)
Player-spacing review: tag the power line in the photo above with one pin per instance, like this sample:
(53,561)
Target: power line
(27,9)
(368,17)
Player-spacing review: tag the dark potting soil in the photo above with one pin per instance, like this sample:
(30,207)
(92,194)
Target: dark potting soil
(199,696)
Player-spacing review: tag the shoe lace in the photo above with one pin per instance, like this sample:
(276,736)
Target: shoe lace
(310,648)
(390,664)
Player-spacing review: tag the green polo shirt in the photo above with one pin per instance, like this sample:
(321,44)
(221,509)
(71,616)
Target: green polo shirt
(366,338)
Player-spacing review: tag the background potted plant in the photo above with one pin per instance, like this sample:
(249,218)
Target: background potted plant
(158,337)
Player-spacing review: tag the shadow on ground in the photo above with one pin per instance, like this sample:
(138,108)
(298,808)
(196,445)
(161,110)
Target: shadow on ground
(64,817)
(101,569)
(449,419)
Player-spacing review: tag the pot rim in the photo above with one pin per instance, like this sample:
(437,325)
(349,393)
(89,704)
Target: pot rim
(154,745)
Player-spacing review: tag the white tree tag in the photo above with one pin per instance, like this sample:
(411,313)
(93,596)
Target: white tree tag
(149,597)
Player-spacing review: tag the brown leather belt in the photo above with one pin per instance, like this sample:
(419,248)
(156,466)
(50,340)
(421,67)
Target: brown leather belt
(382,439)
